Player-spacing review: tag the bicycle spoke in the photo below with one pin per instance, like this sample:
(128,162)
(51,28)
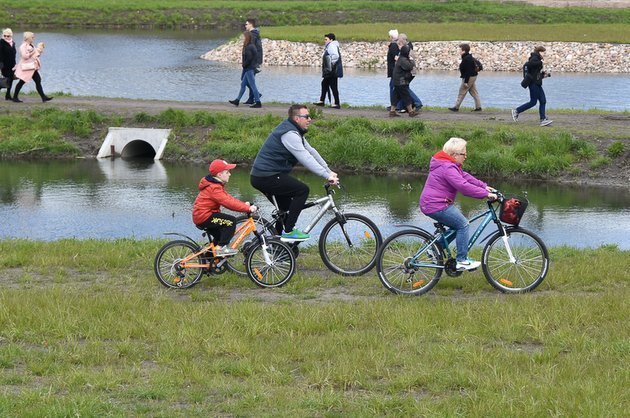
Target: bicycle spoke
(398,266)
(526,272)
(350,248)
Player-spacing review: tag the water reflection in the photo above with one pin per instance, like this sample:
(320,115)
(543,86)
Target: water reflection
(144,198)
(166,65)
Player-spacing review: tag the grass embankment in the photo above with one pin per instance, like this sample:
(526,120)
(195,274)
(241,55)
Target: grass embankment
(353,143)
(424,32)
(86,330)
(230,14)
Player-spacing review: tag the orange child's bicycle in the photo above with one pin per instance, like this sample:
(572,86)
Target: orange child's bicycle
(269,262)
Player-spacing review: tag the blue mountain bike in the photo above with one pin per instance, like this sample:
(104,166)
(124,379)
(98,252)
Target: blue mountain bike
(514,260)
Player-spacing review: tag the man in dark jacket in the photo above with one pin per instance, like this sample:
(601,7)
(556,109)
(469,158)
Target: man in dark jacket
(284,148)
(250,25)
(534,77)
(468,74)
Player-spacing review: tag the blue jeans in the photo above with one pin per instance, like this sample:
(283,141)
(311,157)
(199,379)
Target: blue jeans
(250,97)
(248,80)
(453,218)
(401,105)
(536,94)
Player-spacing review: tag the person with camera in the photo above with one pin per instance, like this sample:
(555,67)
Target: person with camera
(533,79)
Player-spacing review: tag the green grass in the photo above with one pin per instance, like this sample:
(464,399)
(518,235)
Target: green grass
(86,330)
(424,32)
(230,14)
(352,143)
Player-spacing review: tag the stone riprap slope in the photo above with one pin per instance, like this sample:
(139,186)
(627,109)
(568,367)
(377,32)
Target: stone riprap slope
(495,56)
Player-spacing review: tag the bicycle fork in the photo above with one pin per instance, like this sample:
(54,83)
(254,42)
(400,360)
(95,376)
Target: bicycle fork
(507,247)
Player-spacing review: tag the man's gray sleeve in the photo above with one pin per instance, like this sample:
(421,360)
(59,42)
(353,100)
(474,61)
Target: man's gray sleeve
(308,157)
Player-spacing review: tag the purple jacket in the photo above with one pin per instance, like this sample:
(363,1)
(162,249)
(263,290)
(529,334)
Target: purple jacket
(445,179)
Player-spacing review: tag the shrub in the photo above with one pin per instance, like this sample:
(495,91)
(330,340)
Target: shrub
(616,149)
(600,162)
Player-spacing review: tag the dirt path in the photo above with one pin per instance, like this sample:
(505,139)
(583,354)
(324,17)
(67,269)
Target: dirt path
(601,130)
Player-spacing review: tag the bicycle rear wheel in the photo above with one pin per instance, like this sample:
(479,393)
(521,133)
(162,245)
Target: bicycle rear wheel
(530,266)
(277,271)
(237,262)
(350,247)
(168,269)
(398,269)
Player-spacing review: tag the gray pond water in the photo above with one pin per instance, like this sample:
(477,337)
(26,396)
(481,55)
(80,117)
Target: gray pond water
(143,199)
(166,65)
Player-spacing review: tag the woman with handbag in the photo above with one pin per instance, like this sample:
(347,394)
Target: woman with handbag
(332,71)
(28,67)
(7,60)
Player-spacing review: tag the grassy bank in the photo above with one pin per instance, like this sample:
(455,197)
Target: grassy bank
(424,32)
(86,330)
(352,143)
(230,14)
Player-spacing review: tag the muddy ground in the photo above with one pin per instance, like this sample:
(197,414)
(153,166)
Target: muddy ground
(599,129)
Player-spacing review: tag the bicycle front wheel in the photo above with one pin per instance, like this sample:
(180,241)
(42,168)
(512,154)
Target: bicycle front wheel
(408,263)
(525,271)
(349,247)
(272,266)
(237,262)
(168,268)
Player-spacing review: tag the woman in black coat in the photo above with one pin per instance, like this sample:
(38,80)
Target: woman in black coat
(7,58)
(250,62)
(401,77)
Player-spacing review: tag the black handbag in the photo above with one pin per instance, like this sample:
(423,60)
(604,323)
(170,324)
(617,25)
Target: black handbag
(4,82)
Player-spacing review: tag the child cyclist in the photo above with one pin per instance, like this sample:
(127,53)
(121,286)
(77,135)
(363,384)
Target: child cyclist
(207,208)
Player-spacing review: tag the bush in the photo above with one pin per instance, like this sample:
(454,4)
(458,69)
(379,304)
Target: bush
(616,149)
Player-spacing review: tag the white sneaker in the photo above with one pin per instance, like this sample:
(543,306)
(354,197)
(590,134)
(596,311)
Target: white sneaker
(545,122)
(225,251)
(468,264)
(514,115)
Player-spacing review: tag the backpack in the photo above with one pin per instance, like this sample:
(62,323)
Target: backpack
(478,65)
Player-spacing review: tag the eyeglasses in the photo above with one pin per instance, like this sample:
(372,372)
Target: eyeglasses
(461,153)
(6,36)
(304,116)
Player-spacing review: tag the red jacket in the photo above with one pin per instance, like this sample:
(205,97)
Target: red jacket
(211,197)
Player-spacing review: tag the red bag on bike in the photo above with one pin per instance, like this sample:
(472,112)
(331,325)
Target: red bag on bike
(512,210)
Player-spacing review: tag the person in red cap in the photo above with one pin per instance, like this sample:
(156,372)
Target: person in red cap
(206,212)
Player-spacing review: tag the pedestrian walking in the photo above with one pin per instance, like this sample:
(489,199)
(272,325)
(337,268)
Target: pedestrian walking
(332,71)
(468,74)
(249,67)
(7,59)
(533,76)
(28,67)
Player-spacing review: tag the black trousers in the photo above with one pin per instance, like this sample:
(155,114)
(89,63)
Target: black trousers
(8,73)
(290,193)
(330,82)
(221,226)
(38,86)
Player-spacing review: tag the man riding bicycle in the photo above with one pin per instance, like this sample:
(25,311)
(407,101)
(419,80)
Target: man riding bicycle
(282,150)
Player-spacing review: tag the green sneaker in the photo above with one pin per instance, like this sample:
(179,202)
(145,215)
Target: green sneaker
(293,236)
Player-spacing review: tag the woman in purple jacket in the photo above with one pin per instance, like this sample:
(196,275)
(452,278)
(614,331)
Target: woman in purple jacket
(445,179)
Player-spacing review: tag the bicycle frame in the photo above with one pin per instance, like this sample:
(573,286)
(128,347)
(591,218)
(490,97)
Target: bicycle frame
(241,233)
(444,238)
(327,203)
